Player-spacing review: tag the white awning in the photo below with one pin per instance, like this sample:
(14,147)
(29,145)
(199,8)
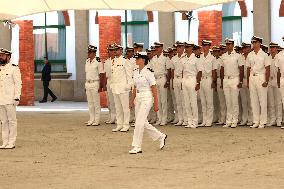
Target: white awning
(10,9)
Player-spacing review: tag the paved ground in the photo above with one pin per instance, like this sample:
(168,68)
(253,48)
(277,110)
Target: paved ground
(55,150)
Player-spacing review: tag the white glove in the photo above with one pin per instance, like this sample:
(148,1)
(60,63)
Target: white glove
(16,102)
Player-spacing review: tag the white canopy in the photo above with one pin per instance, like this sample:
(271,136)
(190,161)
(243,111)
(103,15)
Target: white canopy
(10,9)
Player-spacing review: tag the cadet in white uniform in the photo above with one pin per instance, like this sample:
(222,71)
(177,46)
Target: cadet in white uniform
(208,83)
(232,73)
(145,91)
(177,82)
(10,92)
(160,67)
(110,99)
(274,103)
(192,73)
(258,74)
(94,84)
(120,84)
(246,112)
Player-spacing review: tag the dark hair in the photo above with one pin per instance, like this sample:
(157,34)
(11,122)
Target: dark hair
(45,57)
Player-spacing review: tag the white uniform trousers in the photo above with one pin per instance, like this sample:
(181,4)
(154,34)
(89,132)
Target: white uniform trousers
(258,96)
(171,109)
(111,106)
(282,91)
(162,98)
(179,94)
(222,103)
(174,103)
(245,103)
(93,98)
(190,100)
(9,124)
(274,104)
(121,102)
(231,91)
(206,96)
(143,104)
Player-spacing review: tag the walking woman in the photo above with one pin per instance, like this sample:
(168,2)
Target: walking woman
(145,92)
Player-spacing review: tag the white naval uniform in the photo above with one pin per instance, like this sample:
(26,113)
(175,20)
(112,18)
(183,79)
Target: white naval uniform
(10,89)
(274,103)
(246,112)
(221,95)
(143,81)
(172,105)
(206,91)
(93,69)
(132,66)
(178,89)
(160,67)
(120,84)
(110,99)
(191,66)
(279,63)
(231,64)
(258,93)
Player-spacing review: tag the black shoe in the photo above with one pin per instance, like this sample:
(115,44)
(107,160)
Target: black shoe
(54,99)
(43,101)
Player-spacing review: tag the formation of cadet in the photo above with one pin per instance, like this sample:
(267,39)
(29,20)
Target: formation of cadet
(10,91)
(197,86)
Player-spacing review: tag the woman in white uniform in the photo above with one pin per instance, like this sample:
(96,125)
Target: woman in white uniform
(145,92)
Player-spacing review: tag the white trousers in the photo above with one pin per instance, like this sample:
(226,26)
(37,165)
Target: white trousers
(93,98)
(171,105)
(174,103)
(258,96)
(179,94)
(245,104)
(143,104)
(222,104)
(190,100)
(231,92)
(9,124)
(274,104)
(206,96)
(162,98)
(111,106)
(121,102)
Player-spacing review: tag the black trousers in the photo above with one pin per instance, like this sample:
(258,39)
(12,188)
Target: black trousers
(47,91)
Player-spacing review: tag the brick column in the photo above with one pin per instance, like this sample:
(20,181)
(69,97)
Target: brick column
(26,61)
(210,26)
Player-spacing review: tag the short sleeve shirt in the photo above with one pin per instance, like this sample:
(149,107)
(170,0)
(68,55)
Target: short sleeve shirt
(258,61)
(144,79)
(231,63)
(191,65)
(177,64)
(209,63)
(93,69)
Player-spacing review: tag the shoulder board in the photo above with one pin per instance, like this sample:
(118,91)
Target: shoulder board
(98,59)
(135,69)
(150,69)
(14,65)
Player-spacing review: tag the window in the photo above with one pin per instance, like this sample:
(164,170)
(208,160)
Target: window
(50,40)
(232,22)
(137,28)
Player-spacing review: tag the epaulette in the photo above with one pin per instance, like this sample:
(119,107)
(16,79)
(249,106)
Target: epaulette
(98,59)
(15,65)
(150,69)
(135,69)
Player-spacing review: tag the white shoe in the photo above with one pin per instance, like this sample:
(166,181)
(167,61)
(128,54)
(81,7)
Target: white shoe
(163,124)
(261,126)
(208,125)
(201,125)
(184,123)
(135,150)
(118,128)
(110,122)
(125,128)
(227,125)
(279,124)
(132,125)
(179,123)
(220,123)
(3,146)
(234,125)
(243,123)
(270,124)
(89,123)
(163,141)
(249,123)
(9,146)
(254,125)
(193,126)
(282,127)
(188,126)
(95,124)
(157,123)
(174,121)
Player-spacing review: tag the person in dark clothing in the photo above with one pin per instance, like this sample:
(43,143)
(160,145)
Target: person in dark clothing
(46,77)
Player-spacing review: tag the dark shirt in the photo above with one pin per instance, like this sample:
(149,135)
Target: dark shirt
(45,73)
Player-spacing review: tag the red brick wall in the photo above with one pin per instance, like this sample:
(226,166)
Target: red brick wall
(26,62)
(210,26)
(281,9)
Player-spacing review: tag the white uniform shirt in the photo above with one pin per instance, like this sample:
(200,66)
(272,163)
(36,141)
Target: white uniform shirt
(93,69)
(231,63)
(218,64)
(121,76)
(10,84)
(191,65)
(159,65)
(279,62)
(177,64)
(144,79)
(273,68)
(107,67)
(208,63)
(258,62)
(246,65)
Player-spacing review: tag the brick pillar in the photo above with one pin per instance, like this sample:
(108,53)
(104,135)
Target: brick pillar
(210,26)
(110,32)
(26,62)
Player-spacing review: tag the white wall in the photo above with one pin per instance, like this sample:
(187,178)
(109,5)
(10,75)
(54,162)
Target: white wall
(94,38)
(70,46)
(15,45)
(181,28)
(277,23)
(154,29)
(247,23)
